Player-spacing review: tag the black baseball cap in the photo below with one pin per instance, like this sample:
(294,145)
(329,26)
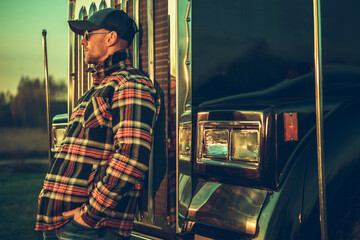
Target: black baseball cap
(111,19)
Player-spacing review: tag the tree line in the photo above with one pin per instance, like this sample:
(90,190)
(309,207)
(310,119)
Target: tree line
(28,107)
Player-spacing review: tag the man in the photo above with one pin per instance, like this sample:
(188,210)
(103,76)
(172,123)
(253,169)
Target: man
(91,189)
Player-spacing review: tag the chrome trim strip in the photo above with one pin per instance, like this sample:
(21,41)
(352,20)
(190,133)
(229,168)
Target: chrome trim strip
(183,88)
(151,200)
(319,116)
(150,20)
(187,57)
(47,92)
(90,81)
(174,72)
(81,68)
(173,36)
(138,235)
(150,16)
(136,37)
(83,13)
(123,5)
(183,48)
(177,27)
(113,3)
(71,60)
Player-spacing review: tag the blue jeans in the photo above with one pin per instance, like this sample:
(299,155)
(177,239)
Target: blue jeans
(75,231)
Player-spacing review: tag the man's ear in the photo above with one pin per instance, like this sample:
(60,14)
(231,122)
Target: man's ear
(111,39)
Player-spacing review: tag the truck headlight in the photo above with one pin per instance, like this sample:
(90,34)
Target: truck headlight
(59,127)
(216,143)
(245,146)
(58,136)
(185,141)
(230,143)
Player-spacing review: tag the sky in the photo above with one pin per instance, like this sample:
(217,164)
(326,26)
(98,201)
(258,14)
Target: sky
(21,50)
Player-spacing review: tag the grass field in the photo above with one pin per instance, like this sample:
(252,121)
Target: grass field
(18,202)
(21,181)
(23,142)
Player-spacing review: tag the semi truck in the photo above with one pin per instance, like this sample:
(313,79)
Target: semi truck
(237,146)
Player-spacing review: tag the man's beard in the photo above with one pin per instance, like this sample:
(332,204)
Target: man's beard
(91,59)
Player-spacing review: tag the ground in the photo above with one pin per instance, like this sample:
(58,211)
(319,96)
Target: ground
(23,164)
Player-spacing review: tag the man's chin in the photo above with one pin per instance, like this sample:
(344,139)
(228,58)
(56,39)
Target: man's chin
(90,61)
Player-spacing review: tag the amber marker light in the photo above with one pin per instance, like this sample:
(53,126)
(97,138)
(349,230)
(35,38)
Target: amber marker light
(291,127)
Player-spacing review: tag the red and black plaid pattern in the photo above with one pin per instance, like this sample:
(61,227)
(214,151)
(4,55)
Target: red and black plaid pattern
(102,159)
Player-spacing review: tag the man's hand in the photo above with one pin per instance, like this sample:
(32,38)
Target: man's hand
(76,214)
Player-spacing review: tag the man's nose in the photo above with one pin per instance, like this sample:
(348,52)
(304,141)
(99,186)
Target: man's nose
(83,42)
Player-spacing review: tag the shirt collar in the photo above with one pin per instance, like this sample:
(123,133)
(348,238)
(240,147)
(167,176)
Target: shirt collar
(114,62)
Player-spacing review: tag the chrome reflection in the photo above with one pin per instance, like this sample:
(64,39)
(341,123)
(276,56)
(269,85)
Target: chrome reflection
(187,57)
(185,141)
(124,5)
(92,9)
(136,44)
(240,213)
(102,5)
(71,61)
(184,194)
(181,29)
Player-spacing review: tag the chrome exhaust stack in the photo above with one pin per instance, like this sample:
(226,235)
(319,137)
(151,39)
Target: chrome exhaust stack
(47,92)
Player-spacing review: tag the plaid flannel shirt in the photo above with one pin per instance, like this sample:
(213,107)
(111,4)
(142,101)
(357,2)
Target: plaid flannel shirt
(102,159)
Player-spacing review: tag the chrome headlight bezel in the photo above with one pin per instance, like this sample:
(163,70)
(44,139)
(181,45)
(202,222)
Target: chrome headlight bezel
(259,170)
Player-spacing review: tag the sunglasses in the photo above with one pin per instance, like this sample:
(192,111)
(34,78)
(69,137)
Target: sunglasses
(87,34)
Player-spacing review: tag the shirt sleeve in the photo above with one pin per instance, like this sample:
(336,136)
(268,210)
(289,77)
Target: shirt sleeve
(134,114)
